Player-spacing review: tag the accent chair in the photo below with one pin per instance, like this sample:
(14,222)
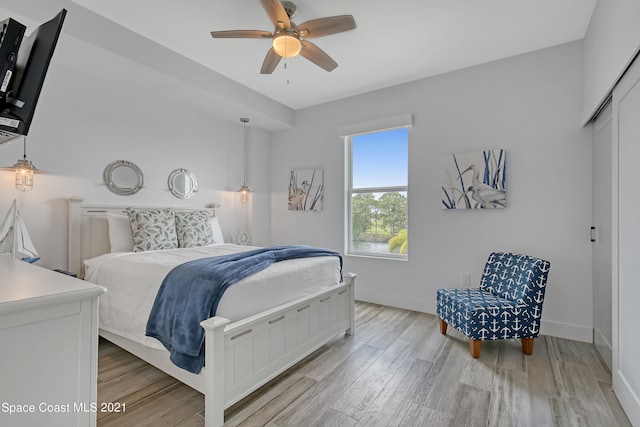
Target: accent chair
(507,305)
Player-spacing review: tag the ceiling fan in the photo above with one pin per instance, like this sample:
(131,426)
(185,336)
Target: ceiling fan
(290,39)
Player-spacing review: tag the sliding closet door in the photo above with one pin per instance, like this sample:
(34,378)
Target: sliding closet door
(602,185)
(626,254)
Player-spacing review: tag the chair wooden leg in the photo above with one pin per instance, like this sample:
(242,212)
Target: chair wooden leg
(443,326)
(474,346)
(527,346)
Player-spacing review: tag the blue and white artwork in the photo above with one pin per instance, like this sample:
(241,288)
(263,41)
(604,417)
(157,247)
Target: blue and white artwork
(306,190)
(474,180)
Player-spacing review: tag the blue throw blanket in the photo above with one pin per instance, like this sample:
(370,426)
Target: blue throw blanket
(191,292)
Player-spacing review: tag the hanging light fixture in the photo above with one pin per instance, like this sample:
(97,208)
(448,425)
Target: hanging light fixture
(244,190)
(24,170)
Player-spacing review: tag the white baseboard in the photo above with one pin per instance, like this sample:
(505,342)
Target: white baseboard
(627,397)
(604,347)
(566,330)
(422,305)
(428,305)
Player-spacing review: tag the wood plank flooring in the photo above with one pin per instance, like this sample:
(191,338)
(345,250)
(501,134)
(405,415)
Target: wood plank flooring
(397,370)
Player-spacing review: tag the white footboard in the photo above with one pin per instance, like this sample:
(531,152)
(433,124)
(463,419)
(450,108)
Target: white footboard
(242,356)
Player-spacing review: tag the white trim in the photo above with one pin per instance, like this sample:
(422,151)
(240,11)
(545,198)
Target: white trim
(603,346)
(566,330)
(376,125)
(395,189)
(428,305)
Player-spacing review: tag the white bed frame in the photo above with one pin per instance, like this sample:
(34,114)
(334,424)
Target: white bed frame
(240,356)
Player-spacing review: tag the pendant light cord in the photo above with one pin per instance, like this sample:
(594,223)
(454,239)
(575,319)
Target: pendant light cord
(244,154)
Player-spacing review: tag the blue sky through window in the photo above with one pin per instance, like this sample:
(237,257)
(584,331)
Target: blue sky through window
(380,159)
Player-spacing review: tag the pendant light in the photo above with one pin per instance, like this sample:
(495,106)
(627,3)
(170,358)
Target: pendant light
(244,190)
(24,170)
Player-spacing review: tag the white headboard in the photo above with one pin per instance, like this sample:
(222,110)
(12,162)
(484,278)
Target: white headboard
(89,230)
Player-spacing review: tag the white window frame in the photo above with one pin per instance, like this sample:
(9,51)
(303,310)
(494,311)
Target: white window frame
(348,132)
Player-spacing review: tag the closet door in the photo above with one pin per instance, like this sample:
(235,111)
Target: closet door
(602,187)
(626,250)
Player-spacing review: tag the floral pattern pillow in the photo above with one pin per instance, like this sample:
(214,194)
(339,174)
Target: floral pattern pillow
(193,229)
(153,229)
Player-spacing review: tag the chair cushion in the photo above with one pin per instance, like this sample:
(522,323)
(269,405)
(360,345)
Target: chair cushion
(515,277)
(480,315)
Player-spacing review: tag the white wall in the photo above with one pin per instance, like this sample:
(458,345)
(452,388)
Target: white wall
(611,42)
(530,105)
(97,107)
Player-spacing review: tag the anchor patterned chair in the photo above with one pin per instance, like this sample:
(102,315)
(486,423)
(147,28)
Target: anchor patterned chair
(508,303)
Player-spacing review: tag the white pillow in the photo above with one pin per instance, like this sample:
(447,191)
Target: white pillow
(216,231)
(120,235)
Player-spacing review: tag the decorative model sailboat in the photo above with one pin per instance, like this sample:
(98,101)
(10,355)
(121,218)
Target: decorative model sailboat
(14,237)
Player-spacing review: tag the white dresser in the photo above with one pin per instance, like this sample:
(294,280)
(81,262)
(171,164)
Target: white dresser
(48,347)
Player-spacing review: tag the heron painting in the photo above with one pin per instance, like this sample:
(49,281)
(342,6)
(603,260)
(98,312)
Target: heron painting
(306,190)
(474,180)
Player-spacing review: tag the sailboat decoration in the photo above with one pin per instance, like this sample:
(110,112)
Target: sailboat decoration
(14,238)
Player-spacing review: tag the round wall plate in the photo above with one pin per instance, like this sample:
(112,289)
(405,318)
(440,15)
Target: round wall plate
(123,177)
(242,238)
(182,183)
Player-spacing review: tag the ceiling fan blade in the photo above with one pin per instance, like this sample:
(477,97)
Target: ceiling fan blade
(326,26)
(270,63)
(318,56)
(242,34)
(276,13)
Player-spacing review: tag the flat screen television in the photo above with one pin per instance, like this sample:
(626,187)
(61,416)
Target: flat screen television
(25,85)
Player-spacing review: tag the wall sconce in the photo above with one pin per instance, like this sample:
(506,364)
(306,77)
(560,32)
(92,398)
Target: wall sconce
(24,171)
(244,190)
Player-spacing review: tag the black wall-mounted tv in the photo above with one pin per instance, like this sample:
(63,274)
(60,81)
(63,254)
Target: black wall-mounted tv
(18,104)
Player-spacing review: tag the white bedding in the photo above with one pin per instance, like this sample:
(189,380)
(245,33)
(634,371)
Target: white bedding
(132,280)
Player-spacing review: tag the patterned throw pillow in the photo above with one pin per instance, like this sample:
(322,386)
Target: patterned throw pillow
(153,229)
(193,229)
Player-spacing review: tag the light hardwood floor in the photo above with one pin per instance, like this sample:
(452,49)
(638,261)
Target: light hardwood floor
(397,370)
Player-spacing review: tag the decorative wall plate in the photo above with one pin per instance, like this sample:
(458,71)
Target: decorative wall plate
(123,177)
(182,183)
(242,238)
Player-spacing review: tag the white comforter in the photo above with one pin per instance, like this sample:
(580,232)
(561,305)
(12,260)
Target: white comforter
(133,279)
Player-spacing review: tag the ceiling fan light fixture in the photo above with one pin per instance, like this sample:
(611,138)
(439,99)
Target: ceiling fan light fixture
(287,45)
(288,39)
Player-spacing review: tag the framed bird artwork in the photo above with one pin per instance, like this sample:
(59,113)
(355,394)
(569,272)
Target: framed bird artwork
(306,190)
(474,180)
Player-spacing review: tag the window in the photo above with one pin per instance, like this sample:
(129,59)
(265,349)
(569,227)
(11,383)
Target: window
(377,194)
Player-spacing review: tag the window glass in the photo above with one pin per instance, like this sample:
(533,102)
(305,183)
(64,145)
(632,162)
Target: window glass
(378,194)
(380,159)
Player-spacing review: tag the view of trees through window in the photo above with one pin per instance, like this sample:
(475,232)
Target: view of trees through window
(378,219)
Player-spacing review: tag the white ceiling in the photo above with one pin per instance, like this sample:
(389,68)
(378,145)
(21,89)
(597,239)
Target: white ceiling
(395,42)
